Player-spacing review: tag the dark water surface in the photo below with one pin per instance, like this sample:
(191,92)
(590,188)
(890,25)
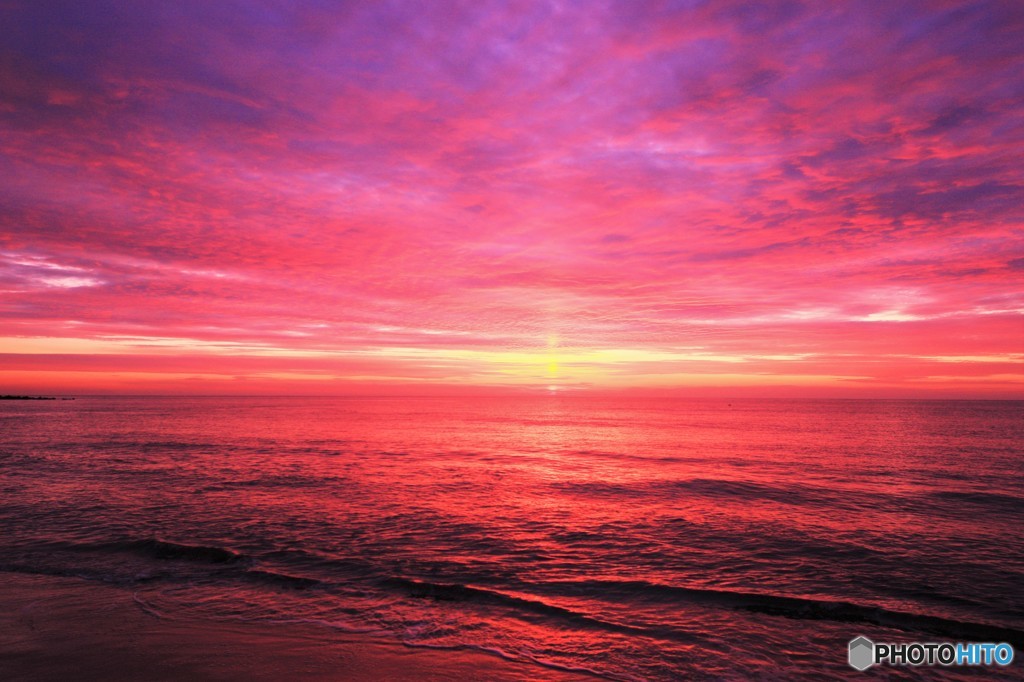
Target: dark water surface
(645,539)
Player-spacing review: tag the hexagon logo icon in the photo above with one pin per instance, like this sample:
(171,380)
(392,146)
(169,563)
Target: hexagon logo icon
(862,653)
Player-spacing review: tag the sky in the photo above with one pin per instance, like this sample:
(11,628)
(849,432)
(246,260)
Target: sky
(707,198)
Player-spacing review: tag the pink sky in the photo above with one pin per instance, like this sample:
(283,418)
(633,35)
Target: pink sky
(803,199)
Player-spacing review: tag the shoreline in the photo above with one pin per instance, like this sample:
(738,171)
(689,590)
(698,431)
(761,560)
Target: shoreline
(68,628)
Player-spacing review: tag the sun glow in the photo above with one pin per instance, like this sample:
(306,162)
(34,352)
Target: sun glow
(552,360)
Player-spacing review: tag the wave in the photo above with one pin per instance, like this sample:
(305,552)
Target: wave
(290,481)
(208,554)
(456,592)
(713,488)
(82,574)
(277,579)
(105,561)
(1011,504)
(528,598)
(268,578)
(163,549)
(802,608)
(150,446)
(944,502)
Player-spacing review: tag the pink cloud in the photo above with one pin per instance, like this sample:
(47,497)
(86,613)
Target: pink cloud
(838,184)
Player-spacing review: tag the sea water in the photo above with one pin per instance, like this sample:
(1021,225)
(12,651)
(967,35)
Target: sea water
(634,538)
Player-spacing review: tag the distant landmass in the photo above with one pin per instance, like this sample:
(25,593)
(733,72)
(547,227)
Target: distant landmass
(30,397)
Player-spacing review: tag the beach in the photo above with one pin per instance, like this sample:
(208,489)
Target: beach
(56,628)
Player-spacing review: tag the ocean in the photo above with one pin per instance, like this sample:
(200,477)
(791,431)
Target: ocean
(636,539)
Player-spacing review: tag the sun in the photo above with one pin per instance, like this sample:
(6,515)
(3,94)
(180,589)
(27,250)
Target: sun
(552,360)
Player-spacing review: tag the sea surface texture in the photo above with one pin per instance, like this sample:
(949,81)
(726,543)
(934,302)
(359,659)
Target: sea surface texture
(637,539)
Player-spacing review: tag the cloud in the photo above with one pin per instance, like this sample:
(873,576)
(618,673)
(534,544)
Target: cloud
(756,181)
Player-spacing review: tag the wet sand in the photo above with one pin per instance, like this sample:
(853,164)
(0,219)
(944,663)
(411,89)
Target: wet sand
(65,628)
